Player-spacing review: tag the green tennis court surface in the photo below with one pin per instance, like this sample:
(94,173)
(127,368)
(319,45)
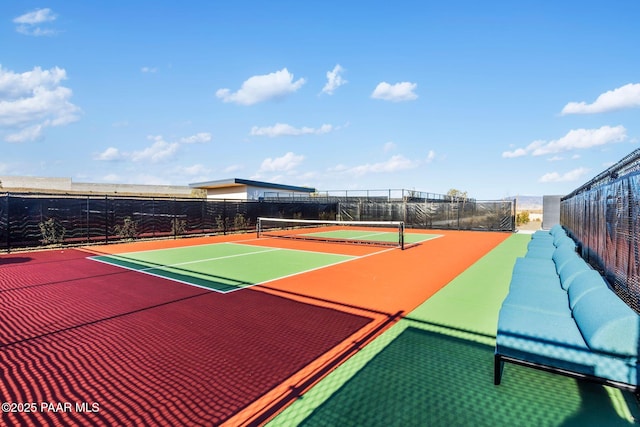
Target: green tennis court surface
(223,267)
(371,235)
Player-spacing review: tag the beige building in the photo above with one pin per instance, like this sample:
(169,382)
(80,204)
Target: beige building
(245,189)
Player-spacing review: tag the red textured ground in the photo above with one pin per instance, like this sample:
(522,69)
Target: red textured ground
(146,350)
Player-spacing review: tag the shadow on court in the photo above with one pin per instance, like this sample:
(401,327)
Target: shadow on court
(426,378)
(147,350)
(14,260)
(202,279)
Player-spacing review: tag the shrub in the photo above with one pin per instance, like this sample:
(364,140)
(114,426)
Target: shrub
(178,226)
(128,230)
(240,222)
(52,232)
(522,218)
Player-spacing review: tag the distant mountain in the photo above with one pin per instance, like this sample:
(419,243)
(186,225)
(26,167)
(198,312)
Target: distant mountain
(527,203)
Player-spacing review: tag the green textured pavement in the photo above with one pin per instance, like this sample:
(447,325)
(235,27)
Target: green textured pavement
(435,368)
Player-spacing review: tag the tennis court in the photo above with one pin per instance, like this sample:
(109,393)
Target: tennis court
(223,330)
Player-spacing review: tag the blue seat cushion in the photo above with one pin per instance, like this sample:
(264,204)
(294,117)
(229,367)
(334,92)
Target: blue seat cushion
(537,243)
(551,300)
(541,337)
(542,234)
(548,283)
(540,327)
(545,252)
(534,266)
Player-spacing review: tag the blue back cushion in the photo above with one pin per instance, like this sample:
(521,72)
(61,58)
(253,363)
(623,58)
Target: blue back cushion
(556,229)
(583,284)
(571,270)
(560,239)
(608,324)
(562,255)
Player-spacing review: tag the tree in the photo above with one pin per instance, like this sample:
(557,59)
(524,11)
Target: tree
(457,194)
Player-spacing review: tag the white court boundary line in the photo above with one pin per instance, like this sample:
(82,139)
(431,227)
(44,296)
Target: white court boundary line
(148,270)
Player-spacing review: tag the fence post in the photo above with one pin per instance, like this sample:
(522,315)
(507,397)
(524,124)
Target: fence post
(106,218)
(88,233)
(8,228)
(224,216)
(174,225)
(153,216)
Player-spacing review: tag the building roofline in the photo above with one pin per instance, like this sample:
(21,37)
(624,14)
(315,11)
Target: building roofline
(239,181)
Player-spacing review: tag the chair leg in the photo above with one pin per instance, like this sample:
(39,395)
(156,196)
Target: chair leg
(498,365)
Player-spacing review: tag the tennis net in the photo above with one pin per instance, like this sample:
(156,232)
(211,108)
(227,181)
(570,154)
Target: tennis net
(380,233)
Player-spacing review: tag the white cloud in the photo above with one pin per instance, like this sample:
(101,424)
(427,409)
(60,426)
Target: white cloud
(146,179)
(38,16)
(334,80)
(431,156)
(338,168)
(389,146)
(515,153)
(285,163)
(283,129)
(112,177)
(148,70)
(28,23)
(15,86)
(398,92)
(198,138)
(32,101)
(262,88)
(30,133)
(627,96)
(193,170)
(574,175)
(110,154)
(160,150)
(573,140)
(156,152)
(394,164)
(232,168)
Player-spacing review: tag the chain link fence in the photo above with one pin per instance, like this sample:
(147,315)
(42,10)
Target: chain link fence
(30,220)
(603,216)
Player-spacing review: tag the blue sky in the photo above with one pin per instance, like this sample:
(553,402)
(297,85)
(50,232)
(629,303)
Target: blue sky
(496,98)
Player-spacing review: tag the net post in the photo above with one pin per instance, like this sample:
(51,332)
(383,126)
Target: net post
(258,227)
(401,235)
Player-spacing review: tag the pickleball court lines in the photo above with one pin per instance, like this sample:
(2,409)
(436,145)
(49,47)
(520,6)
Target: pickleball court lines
(225,267)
